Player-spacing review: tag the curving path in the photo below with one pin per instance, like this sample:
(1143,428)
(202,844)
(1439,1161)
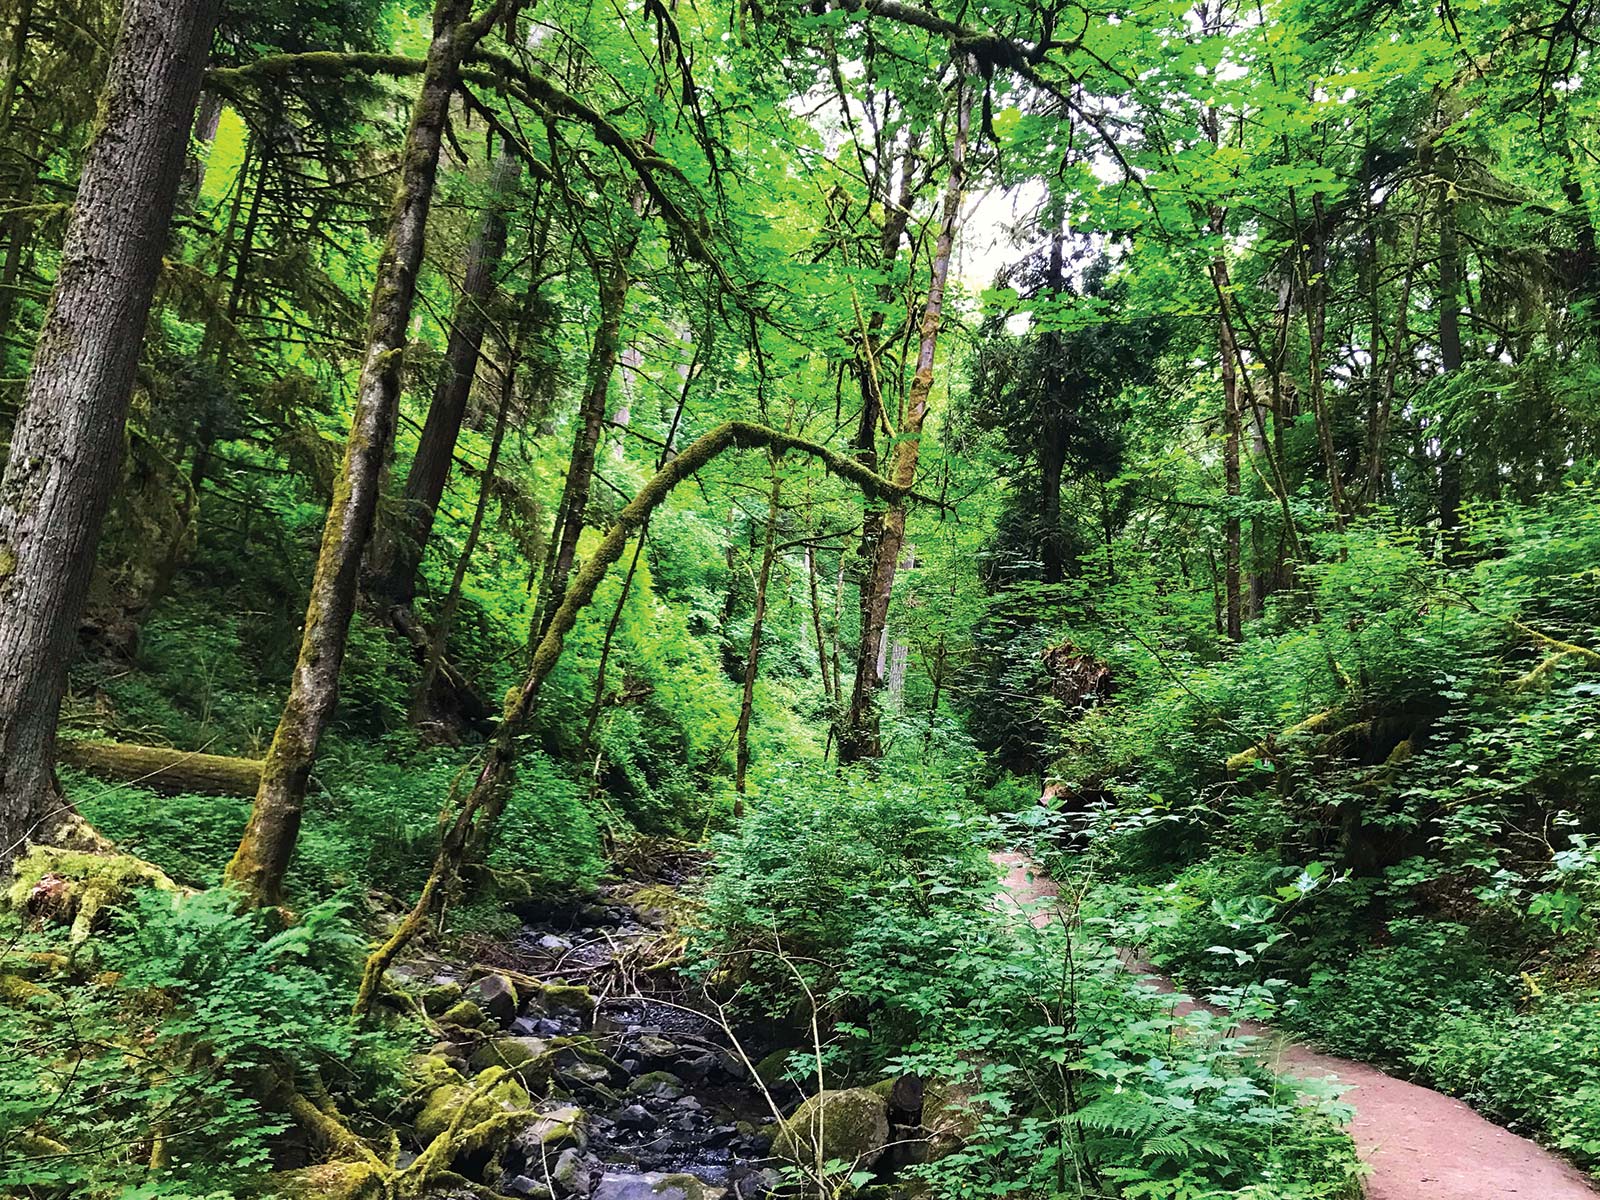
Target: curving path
(1418,1144)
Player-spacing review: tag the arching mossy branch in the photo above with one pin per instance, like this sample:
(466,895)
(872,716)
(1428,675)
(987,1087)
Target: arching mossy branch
(476,813)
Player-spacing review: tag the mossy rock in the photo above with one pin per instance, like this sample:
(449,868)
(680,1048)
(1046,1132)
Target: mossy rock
(451,1099)
(429,1072)
(560,1000)
(58,885)
(949,1118)
(662,905)
(439,1000)
(326,1181)
(851,1125)
(464,1015)
(529,1058)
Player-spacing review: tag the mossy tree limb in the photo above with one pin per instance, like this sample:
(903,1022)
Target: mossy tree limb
(476,812)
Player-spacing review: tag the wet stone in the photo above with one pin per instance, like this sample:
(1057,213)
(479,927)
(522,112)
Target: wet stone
(653,1185)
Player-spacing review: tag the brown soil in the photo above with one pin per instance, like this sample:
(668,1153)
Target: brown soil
(1418,1144)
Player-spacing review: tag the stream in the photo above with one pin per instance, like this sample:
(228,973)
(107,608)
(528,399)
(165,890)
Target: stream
(640,1092)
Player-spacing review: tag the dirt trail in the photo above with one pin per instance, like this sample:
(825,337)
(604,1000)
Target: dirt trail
(1419,1144)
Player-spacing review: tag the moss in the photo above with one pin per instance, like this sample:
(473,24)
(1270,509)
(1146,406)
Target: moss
(464,1014)
(850,1125)
(327,1181)
(82,882)
(554,998)
(438,1000)
(456,1099)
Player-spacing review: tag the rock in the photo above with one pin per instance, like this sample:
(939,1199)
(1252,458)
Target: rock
(571,1172)
(495,995)
(658,1048)
(464,1015)
(554,944)
(552,1132)
(657,1085)
(438,1000)
(652,1185)
(584,1074)
(511,1052)
(524,1027)
(562,1002)
(853,1123)
(430,1072)
(524,1185)
(696,1066)
(635,1117)
(449,1100)
(773,1070)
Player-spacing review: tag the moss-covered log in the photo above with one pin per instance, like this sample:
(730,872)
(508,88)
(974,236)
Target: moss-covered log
(165,770)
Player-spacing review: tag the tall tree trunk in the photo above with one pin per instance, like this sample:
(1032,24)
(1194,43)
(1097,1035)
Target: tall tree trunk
(585,444)
(816,622)
(262,859)
(68,438)
(1231,555)
(1450,356)
(859,738)
(752,659)
(452,600)
(397,552)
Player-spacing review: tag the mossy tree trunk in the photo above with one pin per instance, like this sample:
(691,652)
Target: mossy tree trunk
(614,281)
(68,437)
(262,859)
(398,551)
(860,738)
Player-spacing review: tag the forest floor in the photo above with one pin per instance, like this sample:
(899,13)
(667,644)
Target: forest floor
(1417,1143)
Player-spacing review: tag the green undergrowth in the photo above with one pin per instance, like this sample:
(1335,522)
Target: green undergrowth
(870,904)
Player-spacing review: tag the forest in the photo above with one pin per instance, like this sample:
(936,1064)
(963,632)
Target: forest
(719,600)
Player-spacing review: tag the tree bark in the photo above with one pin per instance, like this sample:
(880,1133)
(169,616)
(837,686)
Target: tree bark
(860,739)
(398,551)
(752,661)
(1450,358)
(585,445)
(262,859)
(452,601)
(68,438)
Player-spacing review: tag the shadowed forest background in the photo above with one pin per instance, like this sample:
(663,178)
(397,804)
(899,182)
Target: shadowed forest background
(700,478)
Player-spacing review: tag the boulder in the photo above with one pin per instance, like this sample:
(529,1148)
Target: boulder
(561,1002)
(439,1000)
(571,1172)
(546,1135)
(496,995)
(851,1125)
(524,1185)
(652,1185)
(464,1015)
(452,1099)
(657,1085)
(513,1053)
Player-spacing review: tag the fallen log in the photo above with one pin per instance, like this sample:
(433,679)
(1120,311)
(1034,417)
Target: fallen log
(165,770)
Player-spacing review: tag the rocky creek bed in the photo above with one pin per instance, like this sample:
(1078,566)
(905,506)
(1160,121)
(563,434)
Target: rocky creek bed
(630,1090)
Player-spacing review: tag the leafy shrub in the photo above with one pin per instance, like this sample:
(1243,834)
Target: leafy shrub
(1393,997)
(174,1055)
(1536,1070)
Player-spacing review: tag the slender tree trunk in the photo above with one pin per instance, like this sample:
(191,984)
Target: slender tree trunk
(1450,360)
(68,438)
(452,600)
(752,659)
(397,552)
(816,623)
(860,738)
(262,859)
(1231,555)
(586,441)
